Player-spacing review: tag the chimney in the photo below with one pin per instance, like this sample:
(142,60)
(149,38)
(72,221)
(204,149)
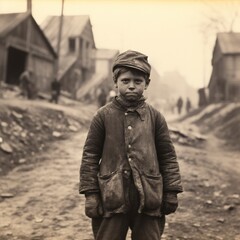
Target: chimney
(29,6)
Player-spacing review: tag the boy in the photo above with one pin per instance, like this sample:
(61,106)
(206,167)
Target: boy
(129,172)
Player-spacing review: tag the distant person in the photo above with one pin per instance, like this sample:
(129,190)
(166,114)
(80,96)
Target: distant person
(179,105)
(111,95)
(25,85)
(188,105)
(101,97)
(55,91)
(129,171)
(171,106)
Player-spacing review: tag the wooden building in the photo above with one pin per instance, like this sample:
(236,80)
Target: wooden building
(104,63)
(101,82)
(77,50)
(23,46)
(224,83)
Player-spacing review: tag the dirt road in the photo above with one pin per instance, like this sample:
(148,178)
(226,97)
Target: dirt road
(210,205)
(46,205)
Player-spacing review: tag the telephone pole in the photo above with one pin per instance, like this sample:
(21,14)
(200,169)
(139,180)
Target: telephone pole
(29,33)
(59,41)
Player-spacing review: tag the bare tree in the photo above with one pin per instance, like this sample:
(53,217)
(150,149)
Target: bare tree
(220,16)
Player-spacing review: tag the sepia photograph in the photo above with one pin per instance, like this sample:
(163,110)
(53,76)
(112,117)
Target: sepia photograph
(119,119)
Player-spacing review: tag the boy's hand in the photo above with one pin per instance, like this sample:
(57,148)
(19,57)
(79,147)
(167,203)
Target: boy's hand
(93,205)
(170,203)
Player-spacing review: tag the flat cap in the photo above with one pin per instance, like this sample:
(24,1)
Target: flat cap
(132,59)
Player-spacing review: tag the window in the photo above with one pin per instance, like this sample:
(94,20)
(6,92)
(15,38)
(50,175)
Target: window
(81,48)
(72,44)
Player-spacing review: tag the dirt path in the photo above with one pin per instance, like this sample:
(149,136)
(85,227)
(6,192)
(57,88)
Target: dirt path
(46,204)
(210,205)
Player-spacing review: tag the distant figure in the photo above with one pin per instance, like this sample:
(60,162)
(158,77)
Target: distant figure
(111,95)
(179,105)
(188,105)
(171,105)
(101,96)
(55,90)
(203,100)
(25,84)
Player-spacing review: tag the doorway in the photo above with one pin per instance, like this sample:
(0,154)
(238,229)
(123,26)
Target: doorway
(15,65)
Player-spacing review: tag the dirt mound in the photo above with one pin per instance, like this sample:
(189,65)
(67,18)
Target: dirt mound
(222,119)
(27,130)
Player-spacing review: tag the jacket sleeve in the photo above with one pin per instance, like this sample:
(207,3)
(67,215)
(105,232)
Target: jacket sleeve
(167,158)
(92,153)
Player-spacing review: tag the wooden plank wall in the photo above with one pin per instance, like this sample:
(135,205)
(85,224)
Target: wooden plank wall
(43,71)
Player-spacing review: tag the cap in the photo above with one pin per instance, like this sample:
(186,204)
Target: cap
(133,59)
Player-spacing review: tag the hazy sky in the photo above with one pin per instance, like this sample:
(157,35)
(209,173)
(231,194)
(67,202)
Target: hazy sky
(169,32)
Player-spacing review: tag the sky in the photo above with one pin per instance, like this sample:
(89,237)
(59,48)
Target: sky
(173,33)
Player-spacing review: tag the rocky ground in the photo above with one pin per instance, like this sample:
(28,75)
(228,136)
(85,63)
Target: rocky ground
(39,188)
(27,128)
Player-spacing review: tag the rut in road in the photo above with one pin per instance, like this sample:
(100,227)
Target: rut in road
(46,204)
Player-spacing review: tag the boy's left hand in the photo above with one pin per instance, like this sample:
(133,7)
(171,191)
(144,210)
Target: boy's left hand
(170,203)
(93,206)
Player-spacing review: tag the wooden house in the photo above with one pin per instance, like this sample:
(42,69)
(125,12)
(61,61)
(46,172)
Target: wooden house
(101,82)
(104,63)
(23,46)
(77,50)
(224,83)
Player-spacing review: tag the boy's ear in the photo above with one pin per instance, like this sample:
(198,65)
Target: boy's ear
(147,83)
(115,84)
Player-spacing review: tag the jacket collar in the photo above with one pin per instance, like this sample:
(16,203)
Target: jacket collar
(140,109)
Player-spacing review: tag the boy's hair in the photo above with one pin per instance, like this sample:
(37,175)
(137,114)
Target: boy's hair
(120,70)
(133,60)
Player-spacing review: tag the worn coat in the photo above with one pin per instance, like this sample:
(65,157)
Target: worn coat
(136,142)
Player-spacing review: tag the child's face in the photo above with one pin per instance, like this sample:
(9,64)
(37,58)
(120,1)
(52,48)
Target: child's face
(131,85)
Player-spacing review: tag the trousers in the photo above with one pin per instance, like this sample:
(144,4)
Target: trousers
(142,226)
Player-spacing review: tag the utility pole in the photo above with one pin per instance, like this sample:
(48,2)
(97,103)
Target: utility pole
(205,43)
(59,42)
(204,62)
(29,33)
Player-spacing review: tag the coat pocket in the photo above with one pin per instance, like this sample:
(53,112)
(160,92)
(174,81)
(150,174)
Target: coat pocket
(153,191)
(111,187)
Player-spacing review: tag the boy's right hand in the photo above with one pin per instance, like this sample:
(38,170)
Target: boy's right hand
(170,203)
(93,205)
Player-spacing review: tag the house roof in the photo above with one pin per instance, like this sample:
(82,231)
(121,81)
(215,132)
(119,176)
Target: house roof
(65,63)
(9,21)
(229,42)
(106,53)
(73,26)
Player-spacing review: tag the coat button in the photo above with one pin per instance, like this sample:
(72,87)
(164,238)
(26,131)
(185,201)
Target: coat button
(129,127)
(126,113)
(129,146)
(129,159)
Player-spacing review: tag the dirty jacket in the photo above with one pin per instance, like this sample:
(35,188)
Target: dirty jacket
(121,141)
